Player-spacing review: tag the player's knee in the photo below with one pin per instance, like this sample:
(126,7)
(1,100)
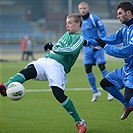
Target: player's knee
(101,66)
(105,83)
(59,94)
(29,72)
(88,68)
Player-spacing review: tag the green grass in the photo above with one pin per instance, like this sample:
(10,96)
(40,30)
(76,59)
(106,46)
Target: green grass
(39,112)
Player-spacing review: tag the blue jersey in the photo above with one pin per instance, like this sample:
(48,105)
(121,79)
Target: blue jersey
(123,35)
(92,27)
(123,76)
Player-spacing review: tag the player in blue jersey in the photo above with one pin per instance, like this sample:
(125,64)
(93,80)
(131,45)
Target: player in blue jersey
(92,27)
(121,77)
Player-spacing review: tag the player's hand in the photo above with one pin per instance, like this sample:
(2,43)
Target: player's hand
(47,46)
(100,42)
(85,43)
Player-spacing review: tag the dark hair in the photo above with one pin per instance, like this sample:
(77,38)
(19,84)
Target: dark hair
(125,6)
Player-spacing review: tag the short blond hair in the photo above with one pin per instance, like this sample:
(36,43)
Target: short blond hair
(84,3)
(77,17)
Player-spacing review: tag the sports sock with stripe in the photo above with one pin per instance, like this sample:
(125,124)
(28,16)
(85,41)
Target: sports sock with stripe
(69,107)
(92,81)
(16,78)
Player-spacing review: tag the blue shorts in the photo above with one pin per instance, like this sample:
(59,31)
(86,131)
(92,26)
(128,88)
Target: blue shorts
(94,57)
(119,79)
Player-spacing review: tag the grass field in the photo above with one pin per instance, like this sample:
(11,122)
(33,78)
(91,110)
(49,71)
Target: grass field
(39,112)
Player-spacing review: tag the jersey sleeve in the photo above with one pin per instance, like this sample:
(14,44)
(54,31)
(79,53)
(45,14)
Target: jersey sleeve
(68,45)
(115,38)
(123,52)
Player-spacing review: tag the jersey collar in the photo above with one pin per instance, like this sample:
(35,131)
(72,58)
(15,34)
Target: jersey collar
(86,16)
(130,22)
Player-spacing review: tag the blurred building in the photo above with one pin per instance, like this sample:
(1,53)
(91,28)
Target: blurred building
(44,20)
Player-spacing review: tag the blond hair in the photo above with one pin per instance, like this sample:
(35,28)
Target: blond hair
(84,3)
(77,17)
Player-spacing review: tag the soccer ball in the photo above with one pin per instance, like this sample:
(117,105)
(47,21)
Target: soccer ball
(15,91)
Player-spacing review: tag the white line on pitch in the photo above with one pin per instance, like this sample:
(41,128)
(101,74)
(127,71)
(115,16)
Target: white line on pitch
(67,89)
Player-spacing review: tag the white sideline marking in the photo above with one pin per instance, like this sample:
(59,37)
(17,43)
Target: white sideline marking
(67,89)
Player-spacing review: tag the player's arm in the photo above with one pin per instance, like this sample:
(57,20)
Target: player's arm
(69,49)
(115,38)
(123,52)
(91,43)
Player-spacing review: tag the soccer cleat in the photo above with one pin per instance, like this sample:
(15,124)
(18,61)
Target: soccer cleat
(110,97)
(3,90)
(96,96)
(127,111)
(81,126)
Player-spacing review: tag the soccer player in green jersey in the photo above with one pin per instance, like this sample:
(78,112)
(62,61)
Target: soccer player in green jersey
(54,66)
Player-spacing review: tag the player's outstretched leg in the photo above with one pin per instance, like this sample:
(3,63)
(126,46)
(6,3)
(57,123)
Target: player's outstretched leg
(68,105)
(127,111)
(81,126)
(3,90)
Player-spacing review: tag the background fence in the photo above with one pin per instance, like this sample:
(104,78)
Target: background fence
(44,20)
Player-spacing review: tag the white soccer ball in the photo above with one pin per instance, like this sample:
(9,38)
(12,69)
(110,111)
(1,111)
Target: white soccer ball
(15,91)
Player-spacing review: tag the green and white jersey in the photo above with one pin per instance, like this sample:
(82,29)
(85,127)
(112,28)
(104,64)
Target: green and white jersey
(66,50)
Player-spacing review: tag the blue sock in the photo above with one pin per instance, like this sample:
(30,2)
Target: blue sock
(117,94)
(92,82)
(104,72)
(131,101)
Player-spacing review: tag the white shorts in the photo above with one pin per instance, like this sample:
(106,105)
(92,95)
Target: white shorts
(49,69)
